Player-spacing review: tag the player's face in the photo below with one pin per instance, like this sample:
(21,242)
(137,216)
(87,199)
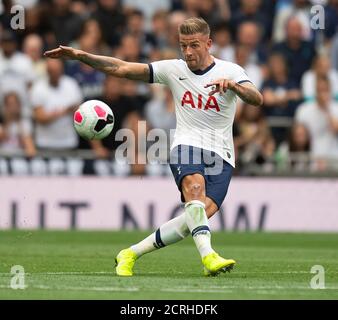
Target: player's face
(195,49)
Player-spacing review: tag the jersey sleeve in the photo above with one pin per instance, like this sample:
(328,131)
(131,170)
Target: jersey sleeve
(240,75)
(160,71)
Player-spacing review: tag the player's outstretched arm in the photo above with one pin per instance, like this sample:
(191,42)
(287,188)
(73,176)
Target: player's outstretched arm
(108,65)
(246,91)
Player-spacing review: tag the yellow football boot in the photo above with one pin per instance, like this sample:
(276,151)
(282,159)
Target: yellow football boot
(214,264)
(125,261)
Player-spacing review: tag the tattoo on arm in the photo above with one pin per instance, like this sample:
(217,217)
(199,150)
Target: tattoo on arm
(143,75)
(117,67)
(105,64)
(250,95)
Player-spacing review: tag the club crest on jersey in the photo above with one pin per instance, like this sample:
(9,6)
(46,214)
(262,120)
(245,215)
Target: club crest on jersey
(189,100)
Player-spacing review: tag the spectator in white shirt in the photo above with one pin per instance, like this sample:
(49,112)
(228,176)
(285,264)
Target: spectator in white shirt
(252,69)
(297,8)
(16,70)
(32,47)
(15,131)
(13,61)
(222,47)
(321,119)
(321,68)
(54,100)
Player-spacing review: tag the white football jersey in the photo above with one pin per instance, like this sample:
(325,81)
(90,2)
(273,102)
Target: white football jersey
(202,121)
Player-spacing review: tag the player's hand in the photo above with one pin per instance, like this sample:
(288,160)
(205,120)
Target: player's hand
(220,85)
(62,52)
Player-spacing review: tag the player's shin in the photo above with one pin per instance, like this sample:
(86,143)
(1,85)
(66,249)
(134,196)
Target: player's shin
(170,232)
(197,221)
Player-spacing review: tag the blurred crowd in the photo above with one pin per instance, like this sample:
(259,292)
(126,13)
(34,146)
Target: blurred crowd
(293,63)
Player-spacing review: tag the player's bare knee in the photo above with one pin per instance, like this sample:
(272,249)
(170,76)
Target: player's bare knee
(194,189)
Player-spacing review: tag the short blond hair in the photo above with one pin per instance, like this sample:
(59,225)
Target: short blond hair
(193,26)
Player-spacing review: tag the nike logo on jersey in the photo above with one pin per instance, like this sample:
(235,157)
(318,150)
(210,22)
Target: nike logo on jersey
(182,78)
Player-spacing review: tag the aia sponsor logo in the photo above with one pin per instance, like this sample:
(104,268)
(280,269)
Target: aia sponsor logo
(188,100)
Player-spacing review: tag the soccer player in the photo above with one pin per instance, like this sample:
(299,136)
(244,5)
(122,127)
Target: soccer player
(205,91)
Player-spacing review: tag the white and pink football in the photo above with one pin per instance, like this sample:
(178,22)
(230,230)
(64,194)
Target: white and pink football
(93,120)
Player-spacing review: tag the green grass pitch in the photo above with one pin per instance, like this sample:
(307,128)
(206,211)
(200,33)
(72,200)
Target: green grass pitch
(79,265)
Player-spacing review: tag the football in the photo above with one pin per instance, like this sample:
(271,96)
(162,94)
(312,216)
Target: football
(93,120)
